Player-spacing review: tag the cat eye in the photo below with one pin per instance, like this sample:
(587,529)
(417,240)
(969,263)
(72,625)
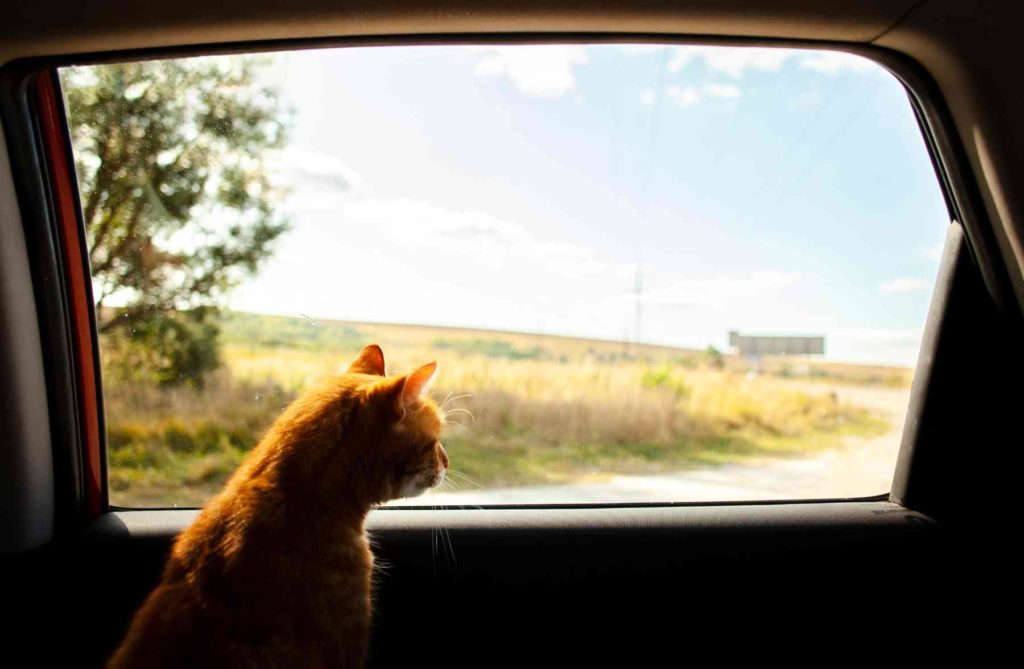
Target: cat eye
(648,272)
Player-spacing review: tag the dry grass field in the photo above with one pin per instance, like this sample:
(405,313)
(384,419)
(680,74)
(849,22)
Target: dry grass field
(531,409)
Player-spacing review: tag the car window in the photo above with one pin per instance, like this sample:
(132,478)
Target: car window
(648,273)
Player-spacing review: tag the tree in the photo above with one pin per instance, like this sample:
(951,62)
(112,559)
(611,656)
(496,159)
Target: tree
(177,196)
(714,357)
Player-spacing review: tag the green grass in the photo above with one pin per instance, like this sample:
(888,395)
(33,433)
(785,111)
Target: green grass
(281,332)
(491,348)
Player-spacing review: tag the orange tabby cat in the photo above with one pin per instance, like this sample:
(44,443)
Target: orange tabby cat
(275,571)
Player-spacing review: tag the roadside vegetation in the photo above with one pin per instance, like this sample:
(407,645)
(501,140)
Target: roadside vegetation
(528,409)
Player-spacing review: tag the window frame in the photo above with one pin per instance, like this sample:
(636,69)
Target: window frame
(64,339)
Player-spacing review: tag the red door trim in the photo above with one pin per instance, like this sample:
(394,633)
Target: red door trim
(77,279)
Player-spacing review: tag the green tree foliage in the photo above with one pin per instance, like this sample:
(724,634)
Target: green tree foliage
(173,160)
(171,348)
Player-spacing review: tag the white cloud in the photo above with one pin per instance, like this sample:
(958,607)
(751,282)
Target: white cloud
(648,97)
(544,71)
(642,48)
(685,96)
(549,70)
(417,222)
(737,61)
(727,91)
(903,284)
(481,236)
(321,169)
(716,291)
(734,61)
(834,62)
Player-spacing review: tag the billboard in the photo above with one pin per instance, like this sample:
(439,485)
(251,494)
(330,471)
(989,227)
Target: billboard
(776,345)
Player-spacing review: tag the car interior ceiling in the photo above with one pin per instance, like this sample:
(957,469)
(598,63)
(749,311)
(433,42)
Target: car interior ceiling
(912,571)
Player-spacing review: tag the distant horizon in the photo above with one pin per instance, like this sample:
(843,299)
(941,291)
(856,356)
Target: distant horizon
(728,350)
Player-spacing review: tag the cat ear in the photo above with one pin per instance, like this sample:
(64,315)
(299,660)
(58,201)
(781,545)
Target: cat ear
(417,382)
(412,387)
(370,361)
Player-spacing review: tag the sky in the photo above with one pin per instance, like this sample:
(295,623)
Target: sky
(550,188)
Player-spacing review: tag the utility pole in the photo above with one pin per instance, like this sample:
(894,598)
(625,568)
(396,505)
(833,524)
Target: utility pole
(638,290)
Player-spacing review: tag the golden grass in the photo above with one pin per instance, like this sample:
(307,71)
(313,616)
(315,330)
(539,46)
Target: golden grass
(526,409)
(838,372)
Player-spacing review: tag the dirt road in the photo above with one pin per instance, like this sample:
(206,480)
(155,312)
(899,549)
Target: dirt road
(860,467)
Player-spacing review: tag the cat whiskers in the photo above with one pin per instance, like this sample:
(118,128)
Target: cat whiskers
(463,477)
(452,486)
(461,426)
(447,418)
(449,399)
(447,413)
(442,531)
(459,410)
(433,543)
(441,535)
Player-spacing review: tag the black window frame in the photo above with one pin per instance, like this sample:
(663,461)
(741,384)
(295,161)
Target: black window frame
(20,119)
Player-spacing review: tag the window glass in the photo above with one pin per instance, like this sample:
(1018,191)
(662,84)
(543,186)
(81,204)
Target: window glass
(648,273)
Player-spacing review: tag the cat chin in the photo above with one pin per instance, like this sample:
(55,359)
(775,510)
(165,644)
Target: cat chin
(415,487)
(410,489)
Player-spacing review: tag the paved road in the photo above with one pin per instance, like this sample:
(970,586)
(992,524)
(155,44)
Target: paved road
(859,467)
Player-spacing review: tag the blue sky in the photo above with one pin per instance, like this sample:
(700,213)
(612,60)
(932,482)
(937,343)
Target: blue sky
(764,190)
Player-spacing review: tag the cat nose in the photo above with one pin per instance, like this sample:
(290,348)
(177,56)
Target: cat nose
(444,456)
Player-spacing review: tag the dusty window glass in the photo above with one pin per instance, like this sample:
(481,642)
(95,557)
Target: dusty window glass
(647,272)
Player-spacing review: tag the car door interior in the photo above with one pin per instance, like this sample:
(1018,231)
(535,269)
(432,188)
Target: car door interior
(818,579)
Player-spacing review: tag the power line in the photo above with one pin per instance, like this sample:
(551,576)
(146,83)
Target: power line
(638,291)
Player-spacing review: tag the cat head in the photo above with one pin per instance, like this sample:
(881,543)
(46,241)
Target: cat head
(359,439)
(397,428)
